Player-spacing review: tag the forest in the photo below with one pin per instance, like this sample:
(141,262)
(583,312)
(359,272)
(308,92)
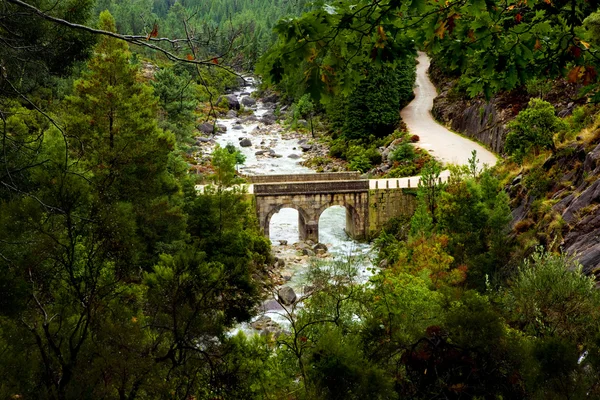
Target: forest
(119,281)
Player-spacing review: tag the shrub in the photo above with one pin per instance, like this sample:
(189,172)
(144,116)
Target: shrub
(338,149)
(405,152)
(374,156)
(414,138)
(533,129)
(360,163)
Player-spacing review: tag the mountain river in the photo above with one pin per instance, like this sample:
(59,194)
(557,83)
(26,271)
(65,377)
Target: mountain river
(282,155)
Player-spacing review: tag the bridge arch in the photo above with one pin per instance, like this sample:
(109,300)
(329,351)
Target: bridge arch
(303,217)
(354,220)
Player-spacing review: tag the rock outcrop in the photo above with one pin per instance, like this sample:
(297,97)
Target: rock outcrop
(571,182)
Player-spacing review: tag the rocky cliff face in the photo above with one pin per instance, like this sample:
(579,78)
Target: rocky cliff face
(557,203)
(478,119)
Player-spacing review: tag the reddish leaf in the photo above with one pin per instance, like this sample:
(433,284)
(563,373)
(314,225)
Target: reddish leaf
(576,51)
(538,45)
(215,61)
(189,57)
(154,32)
(574,74)
(518,18)
(589,75)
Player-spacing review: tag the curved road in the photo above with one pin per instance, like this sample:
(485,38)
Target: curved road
(443,144)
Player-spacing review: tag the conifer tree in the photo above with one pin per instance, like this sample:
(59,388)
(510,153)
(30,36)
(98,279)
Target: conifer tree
(113,117)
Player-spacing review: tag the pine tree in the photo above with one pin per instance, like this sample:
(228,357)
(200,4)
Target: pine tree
(113,117)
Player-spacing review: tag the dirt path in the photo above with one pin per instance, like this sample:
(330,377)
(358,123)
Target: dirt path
(445,145)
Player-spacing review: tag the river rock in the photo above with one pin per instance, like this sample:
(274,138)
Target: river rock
(286,295)
(303,122)
(238,127)
(271,305)
(294,156)
(305,147)
(206,127)
(231,114)
(261,322)
(248,101)
(268,119)
(200,140)
(232,101)
(260,152)
(245,142)
(245,94)
(308,252)
(250,119)
(287,276)
(320,246)
(283,242)
(270,98)
(221,128)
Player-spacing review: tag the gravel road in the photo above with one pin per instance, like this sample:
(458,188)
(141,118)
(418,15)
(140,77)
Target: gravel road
(443,144)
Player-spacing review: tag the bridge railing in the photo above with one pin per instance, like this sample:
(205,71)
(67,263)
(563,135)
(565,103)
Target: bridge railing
(320,187)
(411,182)
(323,176)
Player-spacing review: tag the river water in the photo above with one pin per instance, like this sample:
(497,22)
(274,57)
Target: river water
(284,224)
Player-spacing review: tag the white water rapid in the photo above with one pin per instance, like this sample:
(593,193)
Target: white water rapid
(282,154)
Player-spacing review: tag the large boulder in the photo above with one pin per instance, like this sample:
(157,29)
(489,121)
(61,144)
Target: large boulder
(231,114)
(206,127)
(248,101)
(232,101)
(245,142)
(268,118)
(270,98)
(286,295)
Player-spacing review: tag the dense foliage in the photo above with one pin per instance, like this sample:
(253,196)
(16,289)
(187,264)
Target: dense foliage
(113,274)
(492,46)
(118,280)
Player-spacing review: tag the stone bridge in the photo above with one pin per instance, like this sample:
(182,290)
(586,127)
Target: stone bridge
(369,203)
(311,194)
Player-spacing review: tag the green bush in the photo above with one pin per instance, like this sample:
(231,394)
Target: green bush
(374,156)
(338,149)
(533,129)
(360,163)
(404,152)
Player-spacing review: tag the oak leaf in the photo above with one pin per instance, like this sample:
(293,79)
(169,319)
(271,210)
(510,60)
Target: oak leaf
(154,32)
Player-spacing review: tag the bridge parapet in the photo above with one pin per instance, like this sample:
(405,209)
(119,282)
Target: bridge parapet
(311,188)
(323,176)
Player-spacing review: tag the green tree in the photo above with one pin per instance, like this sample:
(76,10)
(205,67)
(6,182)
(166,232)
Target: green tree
(113,115)
(533,129)
(430,187)
(175,92)
(33,50)
(552,300)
